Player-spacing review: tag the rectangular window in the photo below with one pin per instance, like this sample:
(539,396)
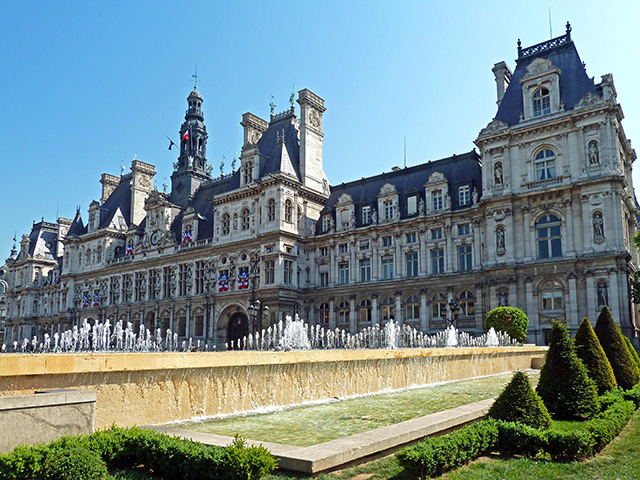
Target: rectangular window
(412,205)
(436,233)
(323,251)
(387,268)
(166,282)
(364,245)
(412,264)
(326,222)
(269,272)
(138,290)
(464,195)
(199,277)
(387,241)
(464,229)
(366,215)
(182,280)
(365,270)
(552,300)
(343,273)
(153,278)
(464,258)
(288,272)
(437,198)
(324,279)
(387,208)
(344,218)
(437,260)
(113,290)
(411,237)
(343,248)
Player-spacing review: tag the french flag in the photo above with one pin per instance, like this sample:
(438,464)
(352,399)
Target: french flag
(187,134)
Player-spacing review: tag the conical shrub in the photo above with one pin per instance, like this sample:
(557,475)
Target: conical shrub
(590,351)
(611,339)
(519,403)
(564,385)
(632,351)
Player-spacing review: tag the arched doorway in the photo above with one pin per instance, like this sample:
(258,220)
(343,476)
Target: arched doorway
(238,329)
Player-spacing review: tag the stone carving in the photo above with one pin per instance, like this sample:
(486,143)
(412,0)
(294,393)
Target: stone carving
(539,65)
(352,220)
(421,206)
(593,153)
(598,225)
(374,216)
(314,118)
(493,126)
(447,201)
(436,177)
(344,198)
(588,100)
(474,196)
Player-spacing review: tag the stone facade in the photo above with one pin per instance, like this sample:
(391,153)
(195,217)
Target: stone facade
(542,218)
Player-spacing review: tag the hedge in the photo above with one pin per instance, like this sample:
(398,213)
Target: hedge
(171,458)
(437,454)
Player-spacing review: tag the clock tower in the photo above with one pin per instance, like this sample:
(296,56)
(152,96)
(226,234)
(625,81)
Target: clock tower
(192,169)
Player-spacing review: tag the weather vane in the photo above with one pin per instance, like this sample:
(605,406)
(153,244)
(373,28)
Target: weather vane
(195,78)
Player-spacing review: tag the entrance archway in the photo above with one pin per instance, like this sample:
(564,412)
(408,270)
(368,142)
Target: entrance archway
(238,329)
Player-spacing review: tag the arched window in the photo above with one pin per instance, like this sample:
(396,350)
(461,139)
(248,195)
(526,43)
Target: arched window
(412,308)
(545,164)
(271,210)
(466,302)
(343,312)
(323,313)
(549,236)
(551,296)
(439,306)
(388,309)
(244,219)
(226,221)
(541,102)
(288,211)
(365,310)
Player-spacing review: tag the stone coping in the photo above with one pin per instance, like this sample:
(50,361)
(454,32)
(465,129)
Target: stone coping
(72,363)
(342,451)
(47,398)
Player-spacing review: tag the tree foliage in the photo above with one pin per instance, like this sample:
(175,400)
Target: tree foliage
(612,341)
(564,385)
(510,320)
(592,355)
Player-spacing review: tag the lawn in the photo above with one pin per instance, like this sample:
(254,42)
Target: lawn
(619,460)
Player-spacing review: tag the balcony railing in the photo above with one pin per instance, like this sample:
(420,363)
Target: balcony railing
(546,183)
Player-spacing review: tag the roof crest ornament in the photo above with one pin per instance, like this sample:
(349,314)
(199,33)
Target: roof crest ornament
(544,46)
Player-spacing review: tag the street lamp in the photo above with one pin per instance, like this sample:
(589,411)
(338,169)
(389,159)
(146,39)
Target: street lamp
(256,312)
(454,311)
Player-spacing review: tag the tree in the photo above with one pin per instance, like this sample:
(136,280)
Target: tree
(614,346)
(519,403)
(564,385)
(632,350)
(592,355)
(510,320)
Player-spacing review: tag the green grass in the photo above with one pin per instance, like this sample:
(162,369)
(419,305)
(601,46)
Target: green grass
(619,460)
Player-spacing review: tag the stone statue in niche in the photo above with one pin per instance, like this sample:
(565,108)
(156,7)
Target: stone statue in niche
(500,239)
(352,221)
(603,294)
(497,174)
(593,153)
(474,196)
(598,225)
(313,228)
(374,216)
(421,206)
(503,299)
(447,201)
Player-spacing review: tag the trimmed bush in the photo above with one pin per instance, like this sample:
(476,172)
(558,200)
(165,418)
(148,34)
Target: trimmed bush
(250,463)
(611,339)
(437,454)
(519,403)
(519,439)
(75,464)
(590,351)
(632,350)
(510,320)
(564,384)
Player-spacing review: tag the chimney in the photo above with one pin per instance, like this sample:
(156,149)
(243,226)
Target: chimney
(109,184)
(254,127)
(503,78)
(311,163)
(141,185)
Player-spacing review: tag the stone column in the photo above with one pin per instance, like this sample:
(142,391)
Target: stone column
(423,310)
(527,232)
(568,212)
(374,309)
(375,259)
(614,295)
(333,266)
(478,307)
(532,311)
(398,260)
(353,267)
(399,316)
(574,321)
(422,238)
(332,314)
(592,293)
(188,332)
(353,321)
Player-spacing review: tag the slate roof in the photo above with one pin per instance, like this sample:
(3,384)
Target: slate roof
(119,198)
(574,82)
(77,227)
(458,170)
(43,240)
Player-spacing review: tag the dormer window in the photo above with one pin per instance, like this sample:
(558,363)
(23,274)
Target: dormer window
(437,199)
(412,205)
(464,195)
(545,164)
(366,215)
(326,222)
(541,102)
(387,206)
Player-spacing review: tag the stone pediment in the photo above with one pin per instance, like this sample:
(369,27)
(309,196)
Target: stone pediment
(344,198)
(436,177)
(493,126)
(387,188)
(540,65)
(589,100)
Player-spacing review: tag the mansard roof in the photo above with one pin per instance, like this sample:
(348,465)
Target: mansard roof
(43,240)
(574,82)
(280,146)
(120,198)
(457,169)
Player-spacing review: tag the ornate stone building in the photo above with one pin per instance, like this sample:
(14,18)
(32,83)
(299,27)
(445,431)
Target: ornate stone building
(542,218)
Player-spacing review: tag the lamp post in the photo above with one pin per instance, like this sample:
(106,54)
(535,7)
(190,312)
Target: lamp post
(454,311)
(256,313)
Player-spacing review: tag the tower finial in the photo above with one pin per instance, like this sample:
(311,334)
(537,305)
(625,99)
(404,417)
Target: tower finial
(195,78)
(273,107)
(519,48)
(568,30)
(292,97)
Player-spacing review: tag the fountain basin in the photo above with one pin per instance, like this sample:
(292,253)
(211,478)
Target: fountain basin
(154,388)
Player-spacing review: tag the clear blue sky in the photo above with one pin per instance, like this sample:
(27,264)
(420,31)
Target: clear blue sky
(87,85)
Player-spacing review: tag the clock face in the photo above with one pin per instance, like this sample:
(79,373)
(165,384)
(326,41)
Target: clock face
(154,238)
